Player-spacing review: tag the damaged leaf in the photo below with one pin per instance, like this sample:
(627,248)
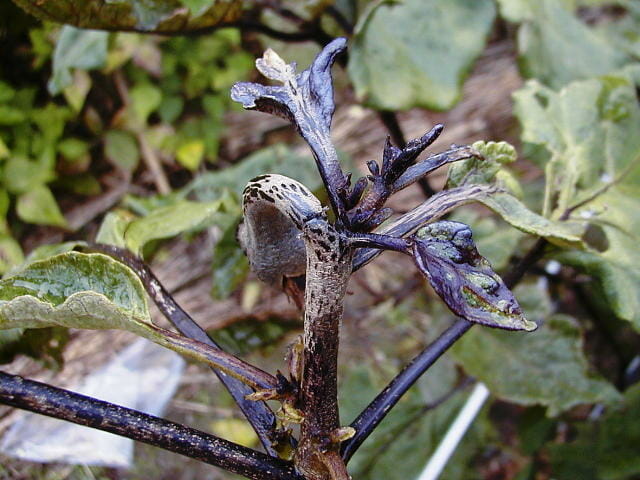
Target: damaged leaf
(96,292)
(305,99)
(445,253)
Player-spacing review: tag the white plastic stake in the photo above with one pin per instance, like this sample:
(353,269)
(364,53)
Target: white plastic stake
(456,431)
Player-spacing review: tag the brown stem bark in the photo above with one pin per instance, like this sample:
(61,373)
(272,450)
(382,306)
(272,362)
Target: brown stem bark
(329,260)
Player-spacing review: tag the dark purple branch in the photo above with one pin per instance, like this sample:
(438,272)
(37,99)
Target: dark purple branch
(428,211)
(258,413)
(375,412)
(513,276)
(65,405)
(382,242)
(390,121)
(429,164)
(395,162)
(369,419)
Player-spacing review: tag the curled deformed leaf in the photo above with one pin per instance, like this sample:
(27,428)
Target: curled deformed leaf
(306,99)
(484,167)
(96,292)
(445,253)
(488,168)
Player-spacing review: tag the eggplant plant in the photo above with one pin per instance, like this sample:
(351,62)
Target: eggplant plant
(292,240)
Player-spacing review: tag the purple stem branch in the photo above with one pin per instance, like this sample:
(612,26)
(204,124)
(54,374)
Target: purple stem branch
(257,413)
(65,405)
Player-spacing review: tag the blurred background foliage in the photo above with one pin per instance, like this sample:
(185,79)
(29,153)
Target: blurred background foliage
(122,137)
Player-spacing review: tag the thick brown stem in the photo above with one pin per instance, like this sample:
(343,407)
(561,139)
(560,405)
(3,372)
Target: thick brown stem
(329,261)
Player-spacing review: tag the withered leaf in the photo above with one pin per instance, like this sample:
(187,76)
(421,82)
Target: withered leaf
(446,254)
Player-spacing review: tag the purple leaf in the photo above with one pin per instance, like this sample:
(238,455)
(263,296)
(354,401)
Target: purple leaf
(305,99)
(445,253)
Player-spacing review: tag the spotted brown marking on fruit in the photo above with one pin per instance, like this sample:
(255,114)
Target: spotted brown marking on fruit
(274,217)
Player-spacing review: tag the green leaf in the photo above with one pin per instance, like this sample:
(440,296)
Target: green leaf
(546,367)
(73,149)
(161,16)
(616,268)
(169,221)
(94,291)
(11,115)
(236,430)
(43,344)
(51,120)
(484,169)
(81,184)
(489,169)
(521,10)
(191,154)
(552,36)
(145,99)
(230,265)
(4,203)
(113,228)
(22,175)
(76,48)
(43,252)
(91,289)
(247,336)
(7,92)
(170,108)
(10,253)
(604,449)
(39,206)
(76,93)
(417,52)
(4,150)
(121,149)
(589,131)
(502,153)
(277,159)
(623,32)
(410,431)
(514,212)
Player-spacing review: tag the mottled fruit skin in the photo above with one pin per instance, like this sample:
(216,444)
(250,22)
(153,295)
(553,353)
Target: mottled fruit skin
(275,209)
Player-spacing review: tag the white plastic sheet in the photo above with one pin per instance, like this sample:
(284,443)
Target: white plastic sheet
(142,376)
